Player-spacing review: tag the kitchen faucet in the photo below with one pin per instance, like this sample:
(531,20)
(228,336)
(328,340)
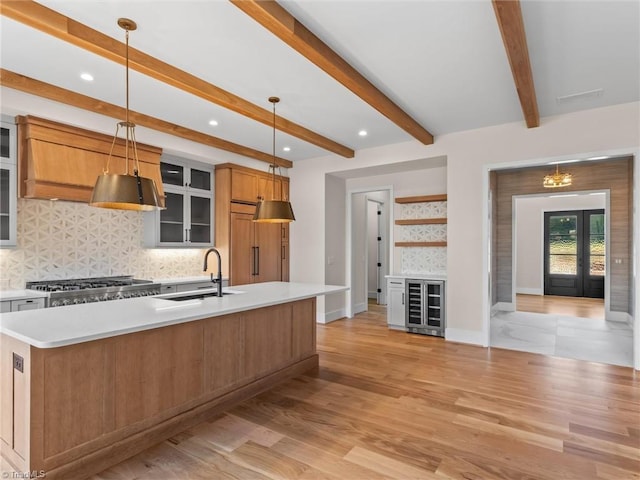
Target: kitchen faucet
(218,279)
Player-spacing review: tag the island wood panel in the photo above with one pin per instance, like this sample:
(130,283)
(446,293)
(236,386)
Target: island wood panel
(14,398)
(73,377)
(440,197)
(223,352)
(303,333)
(77,399)
(267,339)
(156,371)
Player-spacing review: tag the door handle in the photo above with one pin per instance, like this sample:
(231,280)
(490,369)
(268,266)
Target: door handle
(257,260)
(253,260)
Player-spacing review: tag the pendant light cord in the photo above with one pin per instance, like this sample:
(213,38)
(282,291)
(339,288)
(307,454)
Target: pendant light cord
(273,190)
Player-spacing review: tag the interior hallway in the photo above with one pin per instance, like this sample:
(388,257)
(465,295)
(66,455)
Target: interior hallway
(564,327)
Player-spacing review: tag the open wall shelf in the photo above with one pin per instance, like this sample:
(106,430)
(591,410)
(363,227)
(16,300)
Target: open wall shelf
(422,221)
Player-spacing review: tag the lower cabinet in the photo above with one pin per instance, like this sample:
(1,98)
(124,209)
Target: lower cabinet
(396,303)
(21,305)
(256,255)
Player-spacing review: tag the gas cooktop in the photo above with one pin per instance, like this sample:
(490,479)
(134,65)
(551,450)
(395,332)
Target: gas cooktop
(86,290)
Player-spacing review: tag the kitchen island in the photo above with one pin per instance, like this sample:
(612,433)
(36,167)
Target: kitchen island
(85,386)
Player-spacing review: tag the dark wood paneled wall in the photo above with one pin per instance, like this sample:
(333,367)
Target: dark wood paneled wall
(615,175)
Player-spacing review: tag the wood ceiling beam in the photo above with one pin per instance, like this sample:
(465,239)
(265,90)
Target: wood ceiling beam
(509,16)
(281,23)
(49,21)
(36,87)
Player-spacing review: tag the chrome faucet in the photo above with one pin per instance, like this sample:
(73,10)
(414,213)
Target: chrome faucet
(218,279)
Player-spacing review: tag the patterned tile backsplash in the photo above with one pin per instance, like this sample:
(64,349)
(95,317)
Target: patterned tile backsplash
(59,239)
(423,259)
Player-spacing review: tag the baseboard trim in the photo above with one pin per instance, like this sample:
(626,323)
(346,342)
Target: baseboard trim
(332,316)
(459,335)
(503,307)
(359,308)
(622,317)
(373,295)
(530,291)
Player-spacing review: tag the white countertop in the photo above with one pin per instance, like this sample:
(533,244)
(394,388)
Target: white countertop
(20,294)
(60,326)
(194,279)
(420,276)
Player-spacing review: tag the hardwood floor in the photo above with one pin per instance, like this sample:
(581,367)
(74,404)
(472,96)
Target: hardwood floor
(572,306)
(391,405)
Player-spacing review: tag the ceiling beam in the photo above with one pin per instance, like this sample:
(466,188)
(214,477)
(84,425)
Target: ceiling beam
(36,87)
(49,21)
(281,23)
(509,16)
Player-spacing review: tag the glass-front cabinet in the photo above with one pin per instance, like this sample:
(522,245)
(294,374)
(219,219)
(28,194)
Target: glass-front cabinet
(187,220)
(8,183)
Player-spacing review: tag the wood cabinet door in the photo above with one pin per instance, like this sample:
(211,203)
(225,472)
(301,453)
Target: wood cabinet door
(243,249)
(269,254)
(244,186)
(265,188)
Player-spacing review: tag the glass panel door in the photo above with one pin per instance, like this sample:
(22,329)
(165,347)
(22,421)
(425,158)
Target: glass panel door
(200,219)
(172,228)
(574,253)
(5,212)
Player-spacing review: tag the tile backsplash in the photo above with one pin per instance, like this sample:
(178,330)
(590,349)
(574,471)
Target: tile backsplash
(423,259)
(59,239)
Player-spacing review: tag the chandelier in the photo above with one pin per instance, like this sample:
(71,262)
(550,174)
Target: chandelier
(557,179)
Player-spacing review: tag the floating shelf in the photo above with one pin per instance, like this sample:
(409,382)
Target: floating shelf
(421,221)
(421,244)
(423,198)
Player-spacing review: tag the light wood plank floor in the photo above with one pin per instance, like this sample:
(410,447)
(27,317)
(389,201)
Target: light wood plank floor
(391,405)
(572,306)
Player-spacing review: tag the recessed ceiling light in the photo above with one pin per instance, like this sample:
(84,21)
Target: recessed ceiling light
(362,133)
(87,77)
(598,158)
(213,123)
(286,149)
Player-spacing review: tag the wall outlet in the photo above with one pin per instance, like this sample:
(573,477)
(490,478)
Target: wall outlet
(18,362)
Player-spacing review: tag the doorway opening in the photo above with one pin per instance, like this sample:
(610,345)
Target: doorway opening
(370,251)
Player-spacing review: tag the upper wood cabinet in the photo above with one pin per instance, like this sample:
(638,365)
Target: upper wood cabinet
(58,161)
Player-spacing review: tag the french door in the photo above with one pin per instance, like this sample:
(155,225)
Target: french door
(574,253)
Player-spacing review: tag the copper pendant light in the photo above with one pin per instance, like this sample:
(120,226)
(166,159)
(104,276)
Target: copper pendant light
(274,211)
(125,191)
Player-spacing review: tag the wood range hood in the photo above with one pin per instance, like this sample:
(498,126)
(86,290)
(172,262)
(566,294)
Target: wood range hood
(61,162)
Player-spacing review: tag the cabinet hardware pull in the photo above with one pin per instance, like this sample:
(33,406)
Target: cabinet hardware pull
(186,234)
(258,261)
(402,298)
(253,260)
(284,252)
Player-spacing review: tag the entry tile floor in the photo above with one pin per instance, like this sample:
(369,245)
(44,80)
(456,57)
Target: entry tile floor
(563,336)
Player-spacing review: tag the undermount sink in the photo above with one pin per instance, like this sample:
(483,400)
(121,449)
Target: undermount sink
(198,296)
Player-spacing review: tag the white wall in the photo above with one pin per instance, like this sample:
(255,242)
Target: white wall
(529,229)
(469,155)
(335,239)
(359,255)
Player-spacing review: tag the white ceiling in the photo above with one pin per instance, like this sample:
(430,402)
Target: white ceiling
(443,62)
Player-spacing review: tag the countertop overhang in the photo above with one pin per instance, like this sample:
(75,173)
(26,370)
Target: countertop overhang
(62,326)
